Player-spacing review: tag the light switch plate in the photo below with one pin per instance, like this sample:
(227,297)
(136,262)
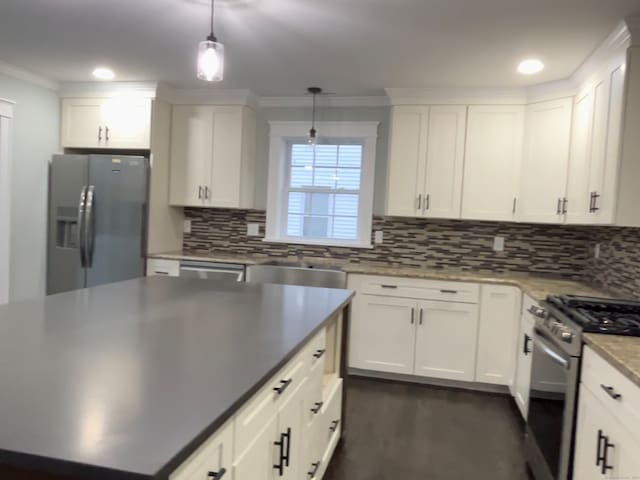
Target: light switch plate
(378,237)
(186,225)
(253,229)
(498,244)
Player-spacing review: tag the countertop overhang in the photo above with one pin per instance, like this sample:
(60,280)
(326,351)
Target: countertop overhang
(124,381)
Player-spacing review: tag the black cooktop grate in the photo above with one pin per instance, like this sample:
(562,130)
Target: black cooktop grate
(601,315)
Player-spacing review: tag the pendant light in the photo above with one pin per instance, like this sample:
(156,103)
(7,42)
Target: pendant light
(315,91)
(211,56)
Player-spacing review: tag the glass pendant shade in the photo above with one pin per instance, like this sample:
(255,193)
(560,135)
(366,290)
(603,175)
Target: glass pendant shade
(210,61)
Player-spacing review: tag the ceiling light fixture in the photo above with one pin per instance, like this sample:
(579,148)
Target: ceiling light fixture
(313,139)
(103,73)
(530,66)
(211,56)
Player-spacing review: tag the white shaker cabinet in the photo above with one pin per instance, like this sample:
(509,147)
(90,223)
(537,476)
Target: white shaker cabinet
(426,157)
(595,149)
(446,340)
(256,463)
(543,176)
(383,333)
(522,380)
(118,122)
(497,334)
(492,162)
(212,156)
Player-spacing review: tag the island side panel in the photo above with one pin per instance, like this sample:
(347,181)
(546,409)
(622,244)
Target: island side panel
(344,362)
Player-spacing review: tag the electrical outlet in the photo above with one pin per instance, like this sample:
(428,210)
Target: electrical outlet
(253,229)
(378,237)
(186,225)
(498,244)
(596,251)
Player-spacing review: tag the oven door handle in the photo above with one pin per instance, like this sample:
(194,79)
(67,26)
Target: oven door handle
(549,351)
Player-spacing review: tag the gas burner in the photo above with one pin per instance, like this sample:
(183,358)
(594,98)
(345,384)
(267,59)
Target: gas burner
(600,315)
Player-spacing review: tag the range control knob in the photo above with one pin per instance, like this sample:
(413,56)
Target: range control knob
(566,337)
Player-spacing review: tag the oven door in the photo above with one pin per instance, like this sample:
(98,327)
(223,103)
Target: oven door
(552,400)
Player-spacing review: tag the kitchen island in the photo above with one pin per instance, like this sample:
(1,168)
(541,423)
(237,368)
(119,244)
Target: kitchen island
(138,379)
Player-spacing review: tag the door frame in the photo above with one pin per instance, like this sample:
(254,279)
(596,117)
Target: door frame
(6,114)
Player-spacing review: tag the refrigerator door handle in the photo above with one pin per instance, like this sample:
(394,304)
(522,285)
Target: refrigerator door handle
(89,225)
(81,225)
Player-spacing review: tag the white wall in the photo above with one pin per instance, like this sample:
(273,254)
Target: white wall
(345,114)
(35,137)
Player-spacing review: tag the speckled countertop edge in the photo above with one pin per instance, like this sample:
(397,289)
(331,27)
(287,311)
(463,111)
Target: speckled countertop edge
(621,352)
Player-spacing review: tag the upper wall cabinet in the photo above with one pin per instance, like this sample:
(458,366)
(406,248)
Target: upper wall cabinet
(543,176)
(212,156)
(118,122)
(595,149)
(426,157)
(492,162)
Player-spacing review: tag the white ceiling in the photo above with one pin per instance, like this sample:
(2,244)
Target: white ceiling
(279,47)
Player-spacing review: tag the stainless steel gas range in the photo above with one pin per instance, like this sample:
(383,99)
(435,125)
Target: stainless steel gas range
(555,373)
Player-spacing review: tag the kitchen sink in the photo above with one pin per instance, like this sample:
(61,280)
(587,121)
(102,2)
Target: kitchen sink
(297,273)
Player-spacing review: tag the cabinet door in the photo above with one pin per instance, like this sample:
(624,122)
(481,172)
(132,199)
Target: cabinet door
(82,124)
(605,155)
(446,340)
(579,161)
(589,426)
(223,188)
(383,334)
(191,151)
(257,462)
(127,122)
(492,162)
(407,156)
(523,368)
(497,334)
(543,177)
(445,161)
(214,456)
(290,431)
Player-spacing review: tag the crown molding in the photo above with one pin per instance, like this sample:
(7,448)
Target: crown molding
(457,96)
(21,74)
(213,96)
(324,102)
(633,27)
(328,129)
(107,89)
(551,90)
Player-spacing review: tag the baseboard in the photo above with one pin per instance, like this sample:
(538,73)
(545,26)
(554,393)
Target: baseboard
(396,377)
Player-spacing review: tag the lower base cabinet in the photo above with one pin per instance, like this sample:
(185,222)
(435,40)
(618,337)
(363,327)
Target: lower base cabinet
(522,380)
(286,431)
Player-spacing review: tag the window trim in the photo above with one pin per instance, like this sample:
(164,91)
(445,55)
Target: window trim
(281,134)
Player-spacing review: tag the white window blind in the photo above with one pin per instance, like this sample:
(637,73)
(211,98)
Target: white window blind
(323,190)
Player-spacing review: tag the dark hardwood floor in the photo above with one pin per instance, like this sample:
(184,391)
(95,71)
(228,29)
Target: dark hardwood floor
(416,432)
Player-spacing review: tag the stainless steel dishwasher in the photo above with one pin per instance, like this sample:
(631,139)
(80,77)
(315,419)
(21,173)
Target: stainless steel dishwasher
(213,271)
(297,273)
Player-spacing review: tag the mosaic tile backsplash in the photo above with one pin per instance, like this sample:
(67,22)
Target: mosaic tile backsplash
(539,249)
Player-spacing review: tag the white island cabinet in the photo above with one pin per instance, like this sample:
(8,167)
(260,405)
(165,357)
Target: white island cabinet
(608,422)
(288,430)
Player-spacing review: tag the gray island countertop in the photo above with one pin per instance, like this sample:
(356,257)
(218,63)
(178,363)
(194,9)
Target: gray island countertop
(126,380)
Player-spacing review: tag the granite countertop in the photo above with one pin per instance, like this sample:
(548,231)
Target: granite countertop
(620,351)
(537,287)
(125,381)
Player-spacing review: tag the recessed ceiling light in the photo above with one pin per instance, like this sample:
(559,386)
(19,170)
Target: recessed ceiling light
(530,66)
(103,73)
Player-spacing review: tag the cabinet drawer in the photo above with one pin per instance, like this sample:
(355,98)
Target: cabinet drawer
(214,455)
(330,426)
(316,352)
(598,375)
(159,266)
(264,405)
(421,289)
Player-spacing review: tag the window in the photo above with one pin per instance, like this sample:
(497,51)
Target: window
(321,194)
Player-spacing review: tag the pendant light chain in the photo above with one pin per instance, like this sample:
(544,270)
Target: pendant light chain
(212,36)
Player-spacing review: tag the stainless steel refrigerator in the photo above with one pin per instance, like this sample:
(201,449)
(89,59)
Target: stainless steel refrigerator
(97,220)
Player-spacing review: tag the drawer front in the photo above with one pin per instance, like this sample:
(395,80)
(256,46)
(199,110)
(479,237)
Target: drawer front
(251,420)
(421,289)
(159,266)
(213,456)
(316,352)
(606,382)
(330,427)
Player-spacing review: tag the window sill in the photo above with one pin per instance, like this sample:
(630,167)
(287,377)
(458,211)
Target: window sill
(320,243)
